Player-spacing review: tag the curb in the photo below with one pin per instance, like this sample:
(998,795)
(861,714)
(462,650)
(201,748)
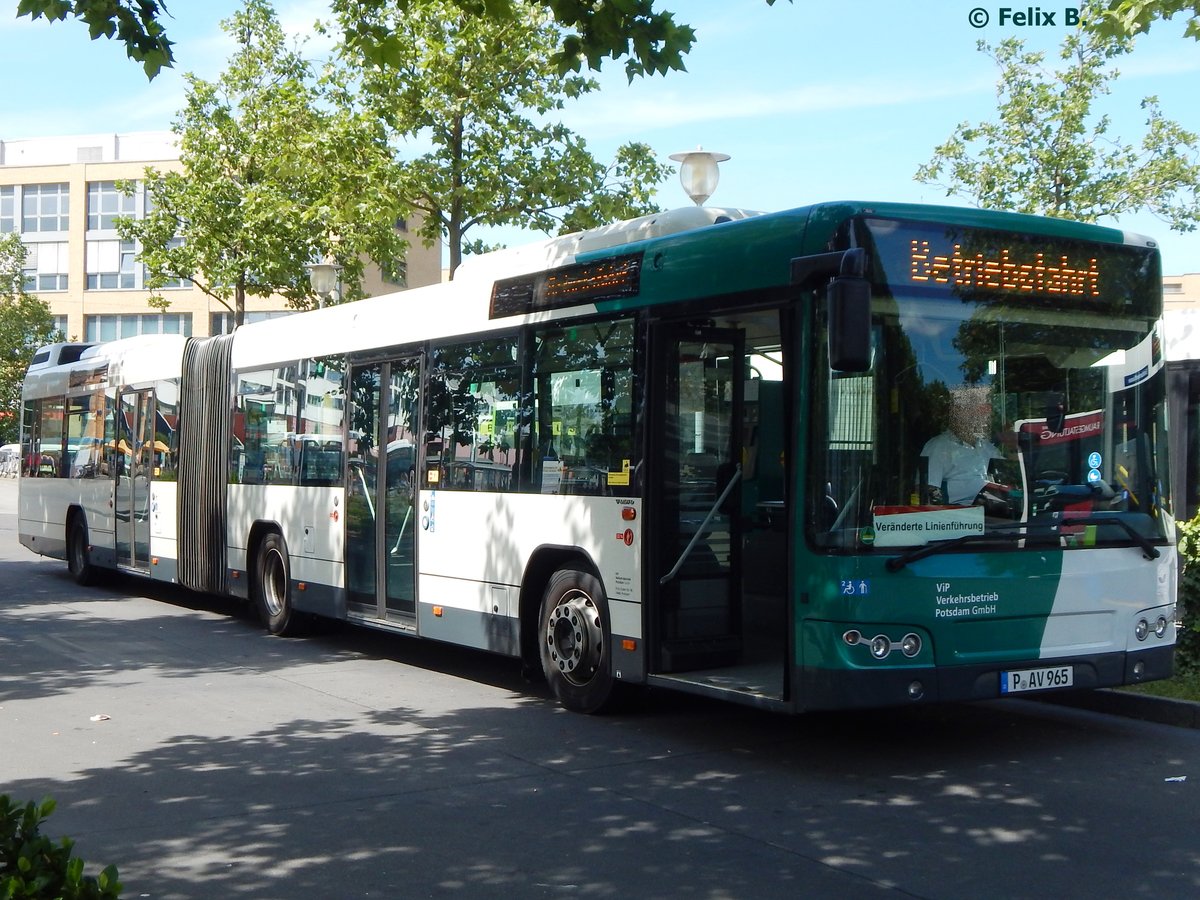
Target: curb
(1162,710)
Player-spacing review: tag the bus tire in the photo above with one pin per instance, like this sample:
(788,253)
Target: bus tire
(273,587)
(574,636)
(79,562)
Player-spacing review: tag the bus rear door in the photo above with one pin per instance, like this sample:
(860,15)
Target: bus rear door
(134,469)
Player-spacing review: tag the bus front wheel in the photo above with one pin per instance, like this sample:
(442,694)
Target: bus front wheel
(79,562)
(272,587)
(574,635)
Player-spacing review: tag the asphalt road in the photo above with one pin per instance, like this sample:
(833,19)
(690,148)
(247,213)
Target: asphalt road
(209,760)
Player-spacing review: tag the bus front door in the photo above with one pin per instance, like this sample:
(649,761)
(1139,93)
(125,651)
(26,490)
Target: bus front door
(380,491)
(134,456)
(699,529)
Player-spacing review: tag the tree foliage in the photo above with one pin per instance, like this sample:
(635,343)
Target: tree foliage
(623,189)
(1125,18)
(1049,152)
(25,324)
(483,94)
(1187,641)
(650,40)
(134,23)
(275,176)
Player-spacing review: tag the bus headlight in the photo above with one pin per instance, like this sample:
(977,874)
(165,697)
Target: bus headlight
(881,646)
(1141,629)
(910,645)
(1160,626)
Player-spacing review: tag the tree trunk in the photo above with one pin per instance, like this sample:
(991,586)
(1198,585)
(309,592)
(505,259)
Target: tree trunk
(454,225)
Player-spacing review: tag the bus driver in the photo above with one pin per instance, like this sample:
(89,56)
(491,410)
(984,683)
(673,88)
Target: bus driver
(959,458)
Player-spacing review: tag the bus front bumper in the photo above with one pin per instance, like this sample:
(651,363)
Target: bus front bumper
(821,689)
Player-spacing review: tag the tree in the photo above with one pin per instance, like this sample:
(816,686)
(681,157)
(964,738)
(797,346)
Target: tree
(274,177)
(622,190)
(1049,153)
(25,325)
(1125,18)
(484,94)
(132,22)
(651,39)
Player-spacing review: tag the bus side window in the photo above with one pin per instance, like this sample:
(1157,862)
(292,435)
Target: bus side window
(47,450)
(317,456)
(472,416)
(266,405)
(584,402)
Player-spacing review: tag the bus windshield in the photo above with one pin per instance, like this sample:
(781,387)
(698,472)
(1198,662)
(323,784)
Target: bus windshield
(1017,391)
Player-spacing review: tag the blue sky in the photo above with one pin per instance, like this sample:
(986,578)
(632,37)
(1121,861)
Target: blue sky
(813,100)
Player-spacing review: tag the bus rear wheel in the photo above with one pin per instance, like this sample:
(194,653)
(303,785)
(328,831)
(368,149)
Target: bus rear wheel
(273,587)
(574,635)
(79,562)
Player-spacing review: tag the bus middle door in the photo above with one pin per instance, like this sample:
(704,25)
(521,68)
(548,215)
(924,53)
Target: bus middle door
(381,489)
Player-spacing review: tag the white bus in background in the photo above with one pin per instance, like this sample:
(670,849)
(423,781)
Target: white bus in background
(10,460)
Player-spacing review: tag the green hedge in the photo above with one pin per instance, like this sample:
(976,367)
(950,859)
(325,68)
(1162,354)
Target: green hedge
(1187,649)
(32,867)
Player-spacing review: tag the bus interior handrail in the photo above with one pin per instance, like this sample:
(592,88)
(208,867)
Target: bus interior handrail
(687,551)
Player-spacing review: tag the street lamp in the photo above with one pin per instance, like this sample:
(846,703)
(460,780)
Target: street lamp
(324,277)
(698,172)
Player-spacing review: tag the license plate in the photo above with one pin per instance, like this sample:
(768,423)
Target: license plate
(1036,679)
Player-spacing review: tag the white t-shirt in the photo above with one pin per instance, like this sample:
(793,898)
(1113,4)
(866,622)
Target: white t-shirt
(963,467)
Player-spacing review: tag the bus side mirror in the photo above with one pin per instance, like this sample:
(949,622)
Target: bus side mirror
(848,299)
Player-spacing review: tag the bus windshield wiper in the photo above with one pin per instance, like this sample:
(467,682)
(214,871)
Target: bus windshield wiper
(896,563)
(1021,532)
(1148,549)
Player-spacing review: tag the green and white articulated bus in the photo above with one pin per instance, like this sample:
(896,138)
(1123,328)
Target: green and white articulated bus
(687,451)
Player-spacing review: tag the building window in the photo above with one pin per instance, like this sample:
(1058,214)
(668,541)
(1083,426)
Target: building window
(1172,287)
(111,327)
(45,207)
(172,283)
(222,322)
(8,209)
(60,325)
(46,266)
(112,265)
(106,203)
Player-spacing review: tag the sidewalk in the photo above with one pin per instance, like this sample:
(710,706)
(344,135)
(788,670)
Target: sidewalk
(1113,702)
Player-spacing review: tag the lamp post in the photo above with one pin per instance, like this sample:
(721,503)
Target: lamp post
(325,278)
(698,172)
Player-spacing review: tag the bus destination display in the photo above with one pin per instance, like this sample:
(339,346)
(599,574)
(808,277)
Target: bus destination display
(971,261)
(1026,269)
